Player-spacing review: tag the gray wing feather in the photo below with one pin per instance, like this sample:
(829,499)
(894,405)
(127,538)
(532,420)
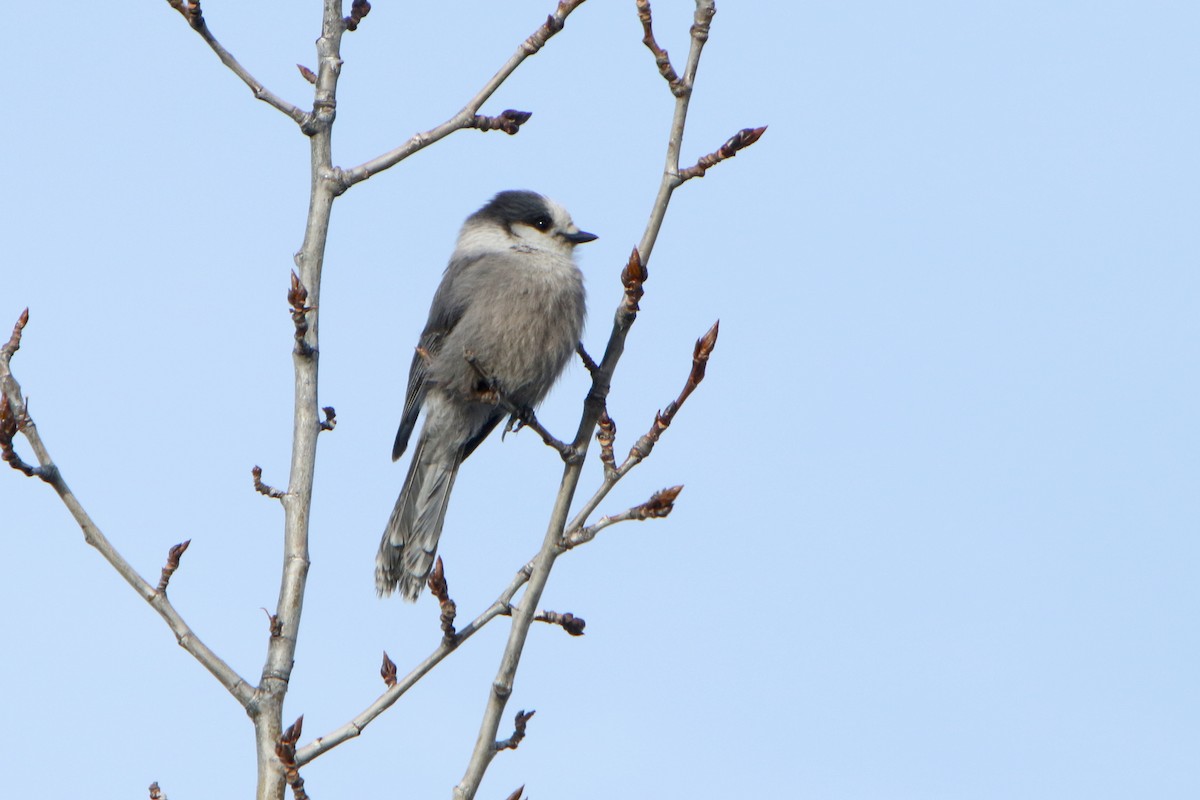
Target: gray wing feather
(447,309)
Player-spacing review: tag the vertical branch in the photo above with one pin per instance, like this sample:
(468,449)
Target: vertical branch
(705,9)
(501,689)
(267,709)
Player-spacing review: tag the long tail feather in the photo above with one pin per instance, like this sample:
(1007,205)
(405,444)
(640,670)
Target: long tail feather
(410,540)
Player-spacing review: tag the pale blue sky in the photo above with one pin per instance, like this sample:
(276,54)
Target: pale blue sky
(939,536)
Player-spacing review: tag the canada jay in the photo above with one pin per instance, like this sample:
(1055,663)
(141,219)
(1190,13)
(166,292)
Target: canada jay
(512,300)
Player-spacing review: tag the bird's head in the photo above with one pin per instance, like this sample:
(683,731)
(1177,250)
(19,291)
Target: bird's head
(525,221)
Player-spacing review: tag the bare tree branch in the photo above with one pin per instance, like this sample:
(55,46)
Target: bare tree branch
(739,141)
(190,9)
(262,488)
(466,117)
(568,622)
(522,414)
(660,56)
(660,504)
(395,691)
(645,444)
(304,298)
(633,277)
(13,412)
(512,742)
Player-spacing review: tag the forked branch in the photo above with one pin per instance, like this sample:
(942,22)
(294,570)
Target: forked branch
(190,9)
(467,117)
(633,278)
(14,417)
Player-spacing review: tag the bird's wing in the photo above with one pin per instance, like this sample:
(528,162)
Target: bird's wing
(445,312)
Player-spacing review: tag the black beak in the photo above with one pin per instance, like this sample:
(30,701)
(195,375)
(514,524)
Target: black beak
(580,237)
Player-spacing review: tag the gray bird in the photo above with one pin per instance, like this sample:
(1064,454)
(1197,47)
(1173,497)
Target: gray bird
(513,299)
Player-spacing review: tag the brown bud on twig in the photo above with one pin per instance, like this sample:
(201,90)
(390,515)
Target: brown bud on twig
(739,141)
(660,56)
(662,420)
(606,434)
(330,421)
(517,794)
(388,670)
(307,74)
(14,342)
(297,297)
(511,742)
(553,24)
(700,353)
(273,624)
(9,425)
(509,121)
(173,556)
(439,589)
(660,504)
(285,749)
(190,9)
(156,793)
(263,488)
(568,622)
(632,277)
(358,10)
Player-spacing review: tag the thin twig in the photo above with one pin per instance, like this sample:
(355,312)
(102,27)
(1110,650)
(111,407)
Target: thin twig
(466,117)
(645,444)
(660,56)
(512,742)
(588,362)
(660,504)
(508,121)
(502,685)
(263,488)
(523,414)
(190,9)
(15,403)
(173,556)
(568,622)
(441,590)
(395,691)
(739,141)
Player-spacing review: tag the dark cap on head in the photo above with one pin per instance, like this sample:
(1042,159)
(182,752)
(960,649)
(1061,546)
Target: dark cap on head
(514,205)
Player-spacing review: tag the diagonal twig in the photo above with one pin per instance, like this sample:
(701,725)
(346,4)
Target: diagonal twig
(466,117)
(502,685)
(190,9)
(739,141)
(47,471)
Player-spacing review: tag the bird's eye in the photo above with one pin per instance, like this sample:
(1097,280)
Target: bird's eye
(542,223)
